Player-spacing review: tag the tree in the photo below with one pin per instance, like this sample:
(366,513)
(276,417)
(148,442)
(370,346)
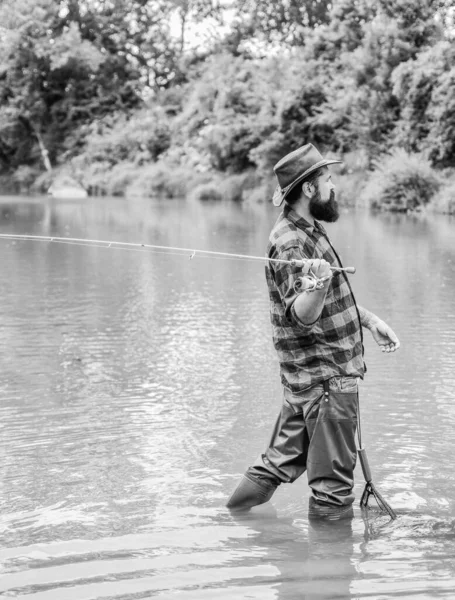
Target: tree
(425,88)
(359,50)
(65,63)
(53,79)
(194,11)
(231,108)
(284,22)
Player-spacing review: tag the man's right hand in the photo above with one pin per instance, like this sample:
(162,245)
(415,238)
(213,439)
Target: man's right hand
(319,267)
(308,307)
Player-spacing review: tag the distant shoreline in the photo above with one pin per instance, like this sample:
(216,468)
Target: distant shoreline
(400,183)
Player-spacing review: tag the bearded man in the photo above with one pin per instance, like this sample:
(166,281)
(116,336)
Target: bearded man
(317,333)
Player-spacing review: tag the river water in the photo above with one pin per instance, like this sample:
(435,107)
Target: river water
(136,387)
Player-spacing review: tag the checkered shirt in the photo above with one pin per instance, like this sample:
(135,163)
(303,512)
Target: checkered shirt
(333,345)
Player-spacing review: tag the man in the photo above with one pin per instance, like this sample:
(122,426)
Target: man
(317,333)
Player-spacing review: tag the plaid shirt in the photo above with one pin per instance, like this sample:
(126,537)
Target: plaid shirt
(333,345)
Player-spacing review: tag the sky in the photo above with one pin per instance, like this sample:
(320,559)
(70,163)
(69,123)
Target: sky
(197,35)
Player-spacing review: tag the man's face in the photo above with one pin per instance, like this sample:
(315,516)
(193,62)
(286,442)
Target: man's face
(323,205)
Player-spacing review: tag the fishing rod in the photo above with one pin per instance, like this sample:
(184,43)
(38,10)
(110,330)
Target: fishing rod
(169,249)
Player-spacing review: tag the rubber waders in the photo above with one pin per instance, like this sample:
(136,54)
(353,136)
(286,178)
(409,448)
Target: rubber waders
(249,493)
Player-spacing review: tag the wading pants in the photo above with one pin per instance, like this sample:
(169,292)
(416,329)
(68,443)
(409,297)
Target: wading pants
(315,433)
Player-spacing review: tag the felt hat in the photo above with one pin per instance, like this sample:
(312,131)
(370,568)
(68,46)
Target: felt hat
(294,167)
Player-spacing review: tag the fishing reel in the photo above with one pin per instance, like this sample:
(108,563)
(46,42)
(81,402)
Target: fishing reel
(309,283)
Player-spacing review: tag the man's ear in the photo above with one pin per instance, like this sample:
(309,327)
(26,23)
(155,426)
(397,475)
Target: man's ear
(307,189)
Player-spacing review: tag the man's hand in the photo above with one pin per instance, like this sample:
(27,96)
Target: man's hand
(308,307)
(384,336)
(318,267)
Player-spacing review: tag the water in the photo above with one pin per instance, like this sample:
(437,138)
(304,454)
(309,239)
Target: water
(136,387)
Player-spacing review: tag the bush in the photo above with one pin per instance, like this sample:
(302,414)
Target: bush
(121,176)
(138,139)
(6,185)
(444,200)
(349,188)
(44,180)
(127,178)
(233,188)
(401,182)
(261,192)
(24,177)
(93,176)
(161,180)
(353,162)
(70,175)
(206,192)
(270,151)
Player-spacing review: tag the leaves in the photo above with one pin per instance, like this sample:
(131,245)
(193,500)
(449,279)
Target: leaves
(282,22)
(425,88)
(110,81)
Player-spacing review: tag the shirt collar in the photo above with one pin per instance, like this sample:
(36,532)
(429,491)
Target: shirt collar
(300,222)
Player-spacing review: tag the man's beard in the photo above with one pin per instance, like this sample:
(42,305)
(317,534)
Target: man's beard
(324,211)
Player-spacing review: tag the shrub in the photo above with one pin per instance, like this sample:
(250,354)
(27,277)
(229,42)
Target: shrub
(258,195)
(401,182)
(139,138)
(206,192)
(229,145)
(94,176)
(353,162)
(121,176)
(6,185)
(444,200)
(161,180)
(233,188)
(261,192)
(270,151)
(349,187)
(44,180)
(24,177)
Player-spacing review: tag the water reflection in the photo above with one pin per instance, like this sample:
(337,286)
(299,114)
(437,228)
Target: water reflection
(312,554)
(135,388)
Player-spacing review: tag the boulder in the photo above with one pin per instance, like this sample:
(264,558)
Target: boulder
(64,186)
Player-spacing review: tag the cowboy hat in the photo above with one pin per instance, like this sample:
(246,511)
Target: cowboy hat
(294,167)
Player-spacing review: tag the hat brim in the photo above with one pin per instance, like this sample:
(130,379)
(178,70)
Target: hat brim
(280,194)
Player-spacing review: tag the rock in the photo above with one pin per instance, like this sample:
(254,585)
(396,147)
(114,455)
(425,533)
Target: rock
(64,186)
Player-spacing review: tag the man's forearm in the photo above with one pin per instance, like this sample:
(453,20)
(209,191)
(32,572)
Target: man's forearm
(367,318)
(308,306)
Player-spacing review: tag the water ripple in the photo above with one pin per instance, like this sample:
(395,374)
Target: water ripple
(137,387)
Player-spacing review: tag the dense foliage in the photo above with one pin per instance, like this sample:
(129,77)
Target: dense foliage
(108,90)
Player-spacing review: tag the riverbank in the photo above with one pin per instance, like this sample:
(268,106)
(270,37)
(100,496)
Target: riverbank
(398,182)
(362,79)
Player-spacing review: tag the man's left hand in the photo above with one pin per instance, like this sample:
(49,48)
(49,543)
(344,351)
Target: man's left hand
(384,336)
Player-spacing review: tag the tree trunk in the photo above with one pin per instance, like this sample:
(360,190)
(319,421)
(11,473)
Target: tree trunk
(44,152)
(182,29)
